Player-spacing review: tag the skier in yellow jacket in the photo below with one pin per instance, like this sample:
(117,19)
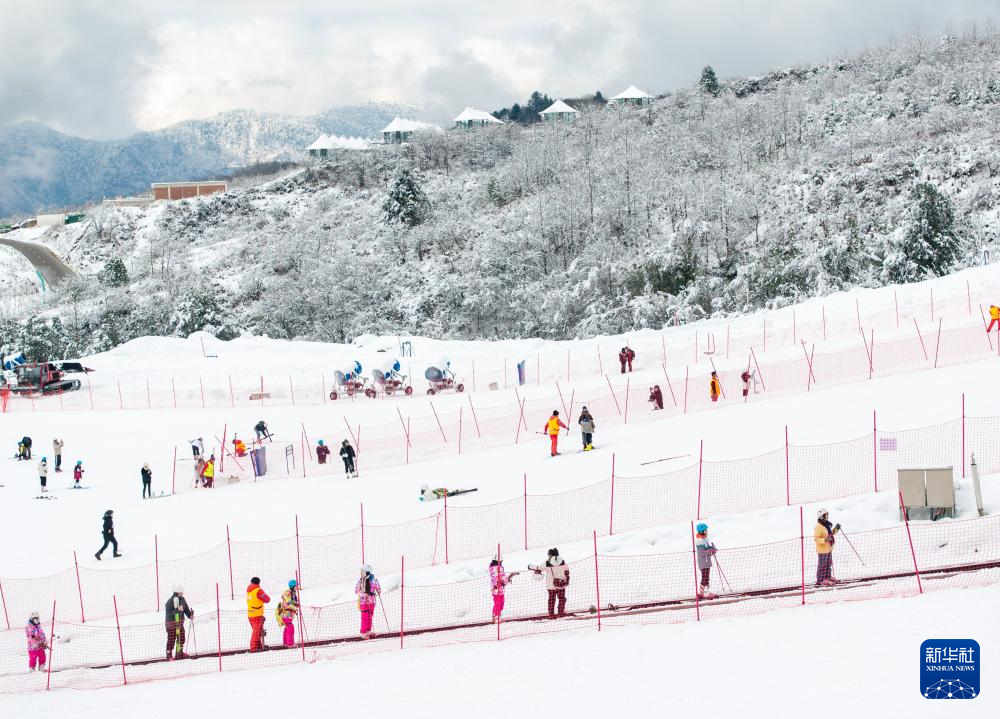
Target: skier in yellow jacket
(552,427)
(823,535)
(994,318)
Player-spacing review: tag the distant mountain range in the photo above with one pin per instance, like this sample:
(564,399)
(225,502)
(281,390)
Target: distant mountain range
(43,169)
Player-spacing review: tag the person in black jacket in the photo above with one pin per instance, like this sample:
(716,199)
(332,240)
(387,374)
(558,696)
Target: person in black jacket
(147,480)
(108,532)
(175,610)
(26,443)
(347,454)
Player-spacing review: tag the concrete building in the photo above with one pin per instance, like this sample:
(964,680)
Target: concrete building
(183,190)
(472,117)
(559,111)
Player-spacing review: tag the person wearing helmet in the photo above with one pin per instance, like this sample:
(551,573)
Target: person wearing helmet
(994,319)
(824,537)
(108,533)
(714,386)
(347,454)
(285,612)
(704,551)
(552,427)
(322,452)
(175,610)
(499,579)
(147,480)
(239,447)
(77,474)
(368,591)
(57,447)
(262,432)
(37,643)
(587,427)
(256,599)
(43,473)
(556,580)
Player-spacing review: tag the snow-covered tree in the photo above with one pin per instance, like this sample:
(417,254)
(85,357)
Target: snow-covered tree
(708,82)
(927,244)
(406,202)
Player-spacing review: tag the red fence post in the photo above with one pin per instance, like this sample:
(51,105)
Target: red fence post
(302,620)
(697,593)
(526,511)
(802,546)
(611,525)
(402,589)
(759,373)
(229,551)
(963,435)
(460,429)
(218,624)
(302,441)
(913,553)
(597,583)
(445,527)
(474,418)
(788,481)
(615,398)
(937,347)
(156,561)
(701,454)
(685,389)
(52,636)
(79,588)
(222,454)
(921,338)
(362,532)
(121,649)
(232,396)
(875,448)
(3,600)
(627,385)
(298,552)
(173,475)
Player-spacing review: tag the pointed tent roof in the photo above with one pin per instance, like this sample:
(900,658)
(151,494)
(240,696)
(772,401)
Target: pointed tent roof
(632,93)
(319,143)
(559,107)
(475,114)
(400,124)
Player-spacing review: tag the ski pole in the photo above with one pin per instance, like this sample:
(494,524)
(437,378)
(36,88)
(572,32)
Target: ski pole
(384,615)
(851,545)
(722,574)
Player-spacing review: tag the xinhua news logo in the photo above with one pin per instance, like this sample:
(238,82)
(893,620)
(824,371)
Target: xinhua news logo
(949,669)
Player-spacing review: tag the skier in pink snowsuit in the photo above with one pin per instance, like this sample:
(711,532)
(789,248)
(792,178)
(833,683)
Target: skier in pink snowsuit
(499,580)
(368,591)
(37,643)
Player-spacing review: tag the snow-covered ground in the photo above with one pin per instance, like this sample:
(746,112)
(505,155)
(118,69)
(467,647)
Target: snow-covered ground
(824,662)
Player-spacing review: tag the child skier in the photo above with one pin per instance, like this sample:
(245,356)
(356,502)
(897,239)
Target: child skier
(37,643)
(714,386)
(704,551)
(175,610)
(823,536)
(587,427)
(77,474)
(499,579)
(347,454)
(556,580)
(368,591)
(285,612)
(552,427)
(994,318)
(656,397)
(43,473)
(322,452)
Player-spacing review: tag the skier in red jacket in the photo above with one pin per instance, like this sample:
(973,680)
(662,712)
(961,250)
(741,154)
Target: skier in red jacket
(656,396)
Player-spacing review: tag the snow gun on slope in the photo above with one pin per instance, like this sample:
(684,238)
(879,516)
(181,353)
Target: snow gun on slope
(440,377)
(388,378)
(350,382)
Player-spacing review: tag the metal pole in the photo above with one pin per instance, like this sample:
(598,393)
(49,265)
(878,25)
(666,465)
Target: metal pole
(229,551)
(697,593)
(597,583)
(218,624)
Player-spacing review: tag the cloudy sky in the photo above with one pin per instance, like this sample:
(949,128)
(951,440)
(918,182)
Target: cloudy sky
(103,70)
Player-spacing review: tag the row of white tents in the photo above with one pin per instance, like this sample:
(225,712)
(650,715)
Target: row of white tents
(401,129)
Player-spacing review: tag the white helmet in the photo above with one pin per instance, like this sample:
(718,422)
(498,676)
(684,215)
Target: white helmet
(33,615)
(366,569)
(178,589)
(820,513)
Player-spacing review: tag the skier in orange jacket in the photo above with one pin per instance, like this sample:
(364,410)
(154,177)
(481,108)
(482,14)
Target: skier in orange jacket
(994,317)
(714,387)
(552,427)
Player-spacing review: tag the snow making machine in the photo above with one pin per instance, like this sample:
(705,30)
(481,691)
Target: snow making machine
(33,380)
(388,378)
(441,377)
(350,382)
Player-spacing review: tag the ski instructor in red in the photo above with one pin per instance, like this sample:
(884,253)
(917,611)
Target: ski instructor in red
(552,429)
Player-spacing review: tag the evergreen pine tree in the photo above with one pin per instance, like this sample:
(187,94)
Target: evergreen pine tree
(406,202)
(709,83)
(114,273)
(928,243)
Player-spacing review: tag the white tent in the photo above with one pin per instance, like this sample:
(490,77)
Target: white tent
(474,117)
(324,144)
(401,129)
(559,110)
(632,96)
